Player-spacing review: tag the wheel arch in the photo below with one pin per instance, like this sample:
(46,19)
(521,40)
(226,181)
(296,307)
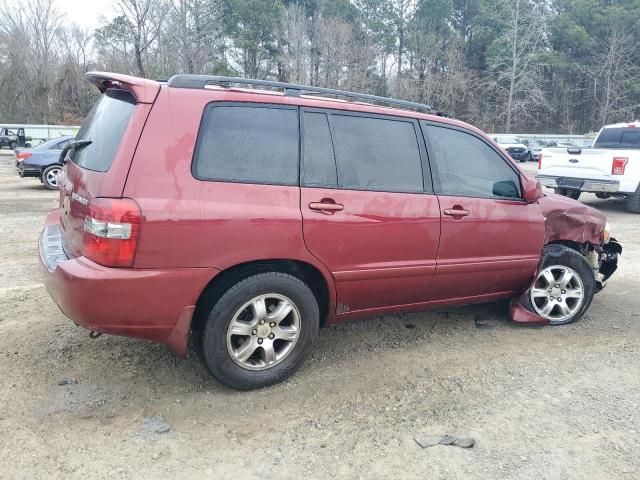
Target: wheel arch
(320,283)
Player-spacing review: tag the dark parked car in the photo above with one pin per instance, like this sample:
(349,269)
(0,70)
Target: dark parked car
(242,220)
(42,161)
(13,139)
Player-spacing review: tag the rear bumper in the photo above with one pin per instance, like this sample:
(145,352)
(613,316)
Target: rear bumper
(28,170)
(156,305)
(581,184)
(519,156)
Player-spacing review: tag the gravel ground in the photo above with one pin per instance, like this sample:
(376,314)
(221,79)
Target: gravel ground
(540,402)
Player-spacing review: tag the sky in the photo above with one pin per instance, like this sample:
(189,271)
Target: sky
(86,13)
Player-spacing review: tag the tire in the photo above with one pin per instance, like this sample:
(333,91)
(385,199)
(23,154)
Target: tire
(49,176)
(603,195)
(236,306)
(633,201)
(558,259)
(13,145)
(574,194)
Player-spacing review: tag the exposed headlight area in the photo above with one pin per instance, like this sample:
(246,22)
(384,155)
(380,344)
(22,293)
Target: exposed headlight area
(606,234)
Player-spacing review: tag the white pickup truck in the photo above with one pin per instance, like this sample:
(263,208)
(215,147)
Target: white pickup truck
(610,168)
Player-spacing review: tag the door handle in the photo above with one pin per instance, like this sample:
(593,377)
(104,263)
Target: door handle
(326,206)
(456,212)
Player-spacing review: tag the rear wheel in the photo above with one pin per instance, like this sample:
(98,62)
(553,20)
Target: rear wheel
(633,201)
(13,145)
(260,331)
(574,194)
(50,176)
(564,287)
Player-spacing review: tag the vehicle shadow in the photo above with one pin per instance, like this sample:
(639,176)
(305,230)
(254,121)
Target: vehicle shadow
(144,365)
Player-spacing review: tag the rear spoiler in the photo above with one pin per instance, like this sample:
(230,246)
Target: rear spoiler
(144,90)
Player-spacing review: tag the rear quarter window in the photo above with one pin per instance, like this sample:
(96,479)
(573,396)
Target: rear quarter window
(248,144)
(104,127)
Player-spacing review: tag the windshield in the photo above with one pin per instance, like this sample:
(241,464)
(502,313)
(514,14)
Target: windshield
(104,127)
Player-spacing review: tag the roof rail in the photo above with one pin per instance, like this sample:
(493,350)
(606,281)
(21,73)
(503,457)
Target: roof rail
(290,89)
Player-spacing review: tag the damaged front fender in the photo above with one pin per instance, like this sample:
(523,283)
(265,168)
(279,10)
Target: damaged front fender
(567,220)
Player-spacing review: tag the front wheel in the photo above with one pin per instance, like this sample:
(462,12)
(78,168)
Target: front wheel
(50,176)
(574,194)
(633,202)
(260,331)
(564,287)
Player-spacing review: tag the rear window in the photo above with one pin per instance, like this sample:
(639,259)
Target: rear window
(618,138)
(248,144)
(104,126)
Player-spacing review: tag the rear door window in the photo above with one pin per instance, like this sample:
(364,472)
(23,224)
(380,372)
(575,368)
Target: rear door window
(468,167)
(377,153)
(248,144)
(104,127)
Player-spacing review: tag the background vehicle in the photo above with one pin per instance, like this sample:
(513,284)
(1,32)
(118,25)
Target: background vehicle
(516,149)
(42,161)
(13,138)
(610,169)
(535,149)
(269,214)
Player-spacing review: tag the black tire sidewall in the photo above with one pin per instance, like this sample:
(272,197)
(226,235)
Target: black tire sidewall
(565,256)
(214,338)
(633,202)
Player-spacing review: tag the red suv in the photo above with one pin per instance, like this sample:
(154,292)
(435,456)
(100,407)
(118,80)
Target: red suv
(243,215)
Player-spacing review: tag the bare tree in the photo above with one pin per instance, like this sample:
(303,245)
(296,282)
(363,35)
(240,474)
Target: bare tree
(295,56)
(31,30)
(612,74)
(194,28)
(517,84)
(145,19)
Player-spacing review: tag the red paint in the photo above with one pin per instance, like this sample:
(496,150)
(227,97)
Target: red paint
(377,252)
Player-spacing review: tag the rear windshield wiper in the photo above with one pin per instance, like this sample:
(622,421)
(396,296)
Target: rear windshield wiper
(72,147)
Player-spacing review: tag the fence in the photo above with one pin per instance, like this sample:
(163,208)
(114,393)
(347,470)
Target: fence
(546,138)
(41,133)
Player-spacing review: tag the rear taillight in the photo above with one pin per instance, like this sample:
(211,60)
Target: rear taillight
(111,231)
(619,164)
(22,156)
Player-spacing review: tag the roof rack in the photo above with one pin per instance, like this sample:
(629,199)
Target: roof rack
(290,89)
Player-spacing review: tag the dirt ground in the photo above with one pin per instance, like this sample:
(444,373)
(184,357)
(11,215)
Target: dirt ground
(541,402)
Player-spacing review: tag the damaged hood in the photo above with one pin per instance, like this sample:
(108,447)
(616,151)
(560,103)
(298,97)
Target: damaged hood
(567,219)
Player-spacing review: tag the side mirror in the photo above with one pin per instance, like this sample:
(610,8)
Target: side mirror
(531,189)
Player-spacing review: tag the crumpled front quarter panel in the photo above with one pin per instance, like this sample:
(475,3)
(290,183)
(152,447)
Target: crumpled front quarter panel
(567,219)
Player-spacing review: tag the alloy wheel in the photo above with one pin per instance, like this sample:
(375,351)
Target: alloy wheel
(52,177)
(557,294)
(263,331)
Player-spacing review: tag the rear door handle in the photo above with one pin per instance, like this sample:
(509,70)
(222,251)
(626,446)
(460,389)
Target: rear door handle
(326,206)
(456,212)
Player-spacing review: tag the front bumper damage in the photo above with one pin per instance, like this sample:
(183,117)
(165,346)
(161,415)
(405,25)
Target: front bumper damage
(607,264)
